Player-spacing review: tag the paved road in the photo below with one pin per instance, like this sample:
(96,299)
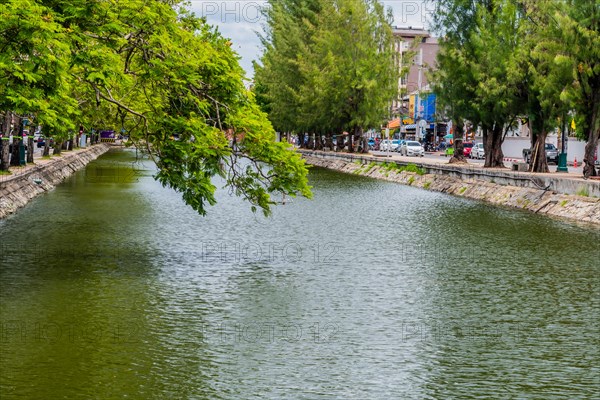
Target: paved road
(438,157)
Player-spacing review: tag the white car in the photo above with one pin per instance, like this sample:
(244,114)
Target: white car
(392,144)
(412,148)
(400,143)
(477,151)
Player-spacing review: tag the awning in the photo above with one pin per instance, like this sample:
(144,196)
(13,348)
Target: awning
(395,123)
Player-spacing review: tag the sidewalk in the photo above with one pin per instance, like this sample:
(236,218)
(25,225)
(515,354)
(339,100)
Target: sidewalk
(573,173)
(39,162)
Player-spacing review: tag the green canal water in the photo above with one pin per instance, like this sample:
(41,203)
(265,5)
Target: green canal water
(110,287)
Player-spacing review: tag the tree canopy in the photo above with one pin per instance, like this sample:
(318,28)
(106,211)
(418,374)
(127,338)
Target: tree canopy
(533,58)
(155,70)
(328,66)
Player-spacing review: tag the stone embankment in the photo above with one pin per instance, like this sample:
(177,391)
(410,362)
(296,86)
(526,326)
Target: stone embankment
(499,187)
(25,183)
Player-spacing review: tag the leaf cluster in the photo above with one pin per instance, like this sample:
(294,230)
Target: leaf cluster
(157,71)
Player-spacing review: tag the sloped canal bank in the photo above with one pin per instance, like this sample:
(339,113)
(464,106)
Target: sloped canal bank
(570,199)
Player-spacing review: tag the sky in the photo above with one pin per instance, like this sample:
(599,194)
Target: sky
(242,21)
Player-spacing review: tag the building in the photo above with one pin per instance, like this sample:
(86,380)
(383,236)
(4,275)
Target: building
(425,47)
(415,102)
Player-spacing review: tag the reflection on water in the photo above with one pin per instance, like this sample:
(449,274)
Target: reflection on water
(111,287)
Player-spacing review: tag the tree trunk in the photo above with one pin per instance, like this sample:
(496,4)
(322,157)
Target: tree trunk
(340,143)
(589,169)
(14,156)
(365,145)
(538,153)
(318,142)
(301,140)
(497,153)
(359,137)
(17,139)
(46,147)
(350,142)
(58,145)
(4,154)
(329,141)
(4,142)
(487,145)
(459,156)
(492,144)
(30,148)
(311,142)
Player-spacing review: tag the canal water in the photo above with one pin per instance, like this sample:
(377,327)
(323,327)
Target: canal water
(111,287)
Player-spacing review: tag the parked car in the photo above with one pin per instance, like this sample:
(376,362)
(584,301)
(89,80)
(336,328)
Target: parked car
(386,144)
(400,143)
(551,154)
(478,151)
(412,148)
(41,142)
(467,147)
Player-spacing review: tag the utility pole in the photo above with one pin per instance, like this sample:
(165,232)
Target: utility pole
(389,143)
(419,83)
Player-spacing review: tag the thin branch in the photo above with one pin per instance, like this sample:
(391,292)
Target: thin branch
(111,99)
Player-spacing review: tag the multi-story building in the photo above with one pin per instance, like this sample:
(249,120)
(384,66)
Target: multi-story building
(424,58)
(422,48)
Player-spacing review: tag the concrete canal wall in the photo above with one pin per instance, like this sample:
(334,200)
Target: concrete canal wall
(564,197)
(25,183)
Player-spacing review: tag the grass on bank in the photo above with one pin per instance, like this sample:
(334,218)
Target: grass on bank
(391,166)
(388,167)
(583,192)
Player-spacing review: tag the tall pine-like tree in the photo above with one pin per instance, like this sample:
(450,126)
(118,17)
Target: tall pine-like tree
(331,70)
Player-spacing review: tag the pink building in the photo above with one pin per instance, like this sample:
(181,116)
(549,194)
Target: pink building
(426,50)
